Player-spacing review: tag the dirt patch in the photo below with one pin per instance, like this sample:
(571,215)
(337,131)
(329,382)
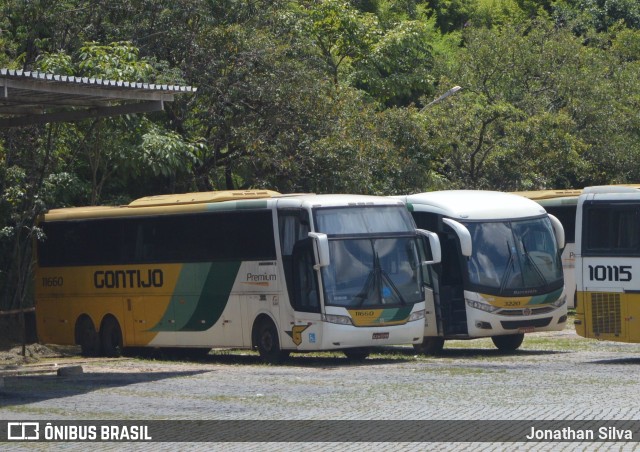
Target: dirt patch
(12,354)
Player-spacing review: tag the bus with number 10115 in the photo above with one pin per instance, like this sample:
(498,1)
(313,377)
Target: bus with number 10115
(500,274)
(234,269)
(563,204)
(608,263)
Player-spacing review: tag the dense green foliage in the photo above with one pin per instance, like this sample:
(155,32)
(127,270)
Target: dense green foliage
(322,96)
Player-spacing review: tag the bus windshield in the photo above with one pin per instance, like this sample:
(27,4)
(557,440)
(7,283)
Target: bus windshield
(364,220)
(370,271)
(373,272)
(514,257)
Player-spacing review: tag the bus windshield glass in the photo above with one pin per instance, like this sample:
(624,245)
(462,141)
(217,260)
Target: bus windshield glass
(514,257)
(364,220)
(373,272)
(374,253)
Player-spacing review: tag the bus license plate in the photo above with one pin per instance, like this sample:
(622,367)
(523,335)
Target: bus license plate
(380,336)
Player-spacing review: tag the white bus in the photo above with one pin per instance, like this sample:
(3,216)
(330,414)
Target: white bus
(250,269)
(562,204)
(501,273)
(608,263)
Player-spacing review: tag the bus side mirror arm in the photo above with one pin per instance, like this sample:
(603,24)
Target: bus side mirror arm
(464,236)
(434,244)
(321,242)
(558,231)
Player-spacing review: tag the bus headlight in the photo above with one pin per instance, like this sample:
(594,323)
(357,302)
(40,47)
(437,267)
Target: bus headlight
(338,319)
(481,306)
(416,315)
(560,301)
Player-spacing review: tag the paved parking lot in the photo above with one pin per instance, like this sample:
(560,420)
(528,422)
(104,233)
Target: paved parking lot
(555,376)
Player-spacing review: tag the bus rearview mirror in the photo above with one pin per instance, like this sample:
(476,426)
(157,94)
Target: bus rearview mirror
(464,236)
(434,244)
(558,231)
(321,248)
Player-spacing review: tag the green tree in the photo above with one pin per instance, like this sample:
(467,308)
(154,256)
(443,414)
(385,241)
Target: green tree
(112,146)
(341,33)
(516,81)
(604,103)
(452,15)
(43,167)
(598,15)
(399,68)
(22,174)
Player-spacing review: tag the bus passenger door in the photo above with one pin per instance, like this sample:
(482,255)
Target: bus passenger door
(431,310)
(430,314)
(305,296)
(301,280)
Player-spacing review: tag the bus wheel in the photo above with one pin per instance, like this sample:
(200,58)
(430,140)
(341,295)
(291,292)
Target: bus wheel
(87,337)
(508,343)
(266,340)
(430,346)
(356,354)
(111,336)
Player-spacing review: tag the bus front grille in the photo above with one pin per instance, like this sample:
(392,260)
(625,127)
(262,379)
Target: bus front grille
(605,313)
(529,311)
(527,323)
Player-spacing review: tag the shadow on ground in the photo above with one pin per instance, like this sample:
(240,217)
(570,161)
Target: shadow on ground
(239,357)
(379,356)
(490,353)
(474,352)
(631,361)
(27,389)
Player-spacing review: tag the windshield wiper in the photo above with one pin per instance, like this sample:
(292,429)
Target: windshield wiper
(368,288)
(371,288)
(393,287)
(534,265)
(507,273)
(376,281)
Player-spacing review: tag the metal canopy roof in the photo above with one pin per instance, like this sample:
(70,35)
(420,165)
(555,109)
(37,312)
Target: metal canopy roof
(28,98)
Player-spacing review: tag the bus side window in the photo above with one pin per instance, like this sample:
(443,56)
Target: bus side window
(147,242)
(626,233)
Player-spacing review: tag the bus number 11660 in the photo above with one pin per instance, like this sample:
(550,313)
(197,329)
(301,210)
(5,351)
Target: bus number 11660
(52,281)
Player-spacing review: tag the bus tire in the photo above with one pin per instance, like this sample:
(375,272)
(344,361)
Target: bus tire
(508,343)
(268,344)
(111,337)
(430,346)
(87,337)
(356,354)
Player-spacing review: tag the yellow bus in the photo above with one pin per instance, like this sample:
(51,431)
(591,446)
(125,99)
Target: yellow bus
(246,269)
(608,263)
(563,204)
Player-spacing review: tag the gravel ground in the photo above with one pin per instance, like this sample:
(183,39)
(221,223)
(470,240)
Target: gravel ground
(554,376)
